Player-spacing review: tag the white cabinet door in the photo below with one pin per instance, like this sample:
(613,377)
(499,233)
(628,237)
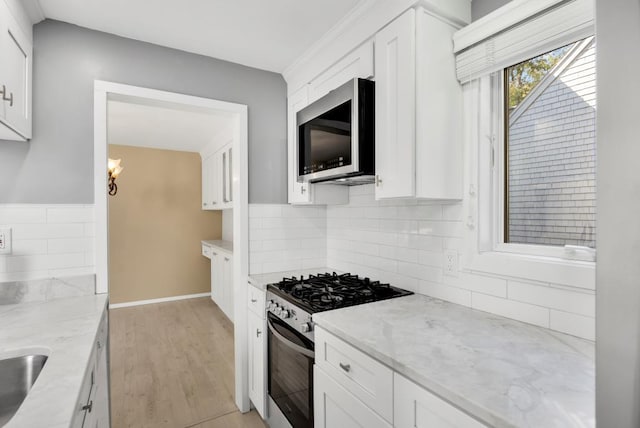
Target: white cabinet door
(358,63)
(439,168)
(257,362)
(299,193)
(216,278)
(214,182)
(15,78)
(335,407)
(395,108)
(225,184)
(227,286)
(415,407)
(206,173)
(100,408)
(210,183)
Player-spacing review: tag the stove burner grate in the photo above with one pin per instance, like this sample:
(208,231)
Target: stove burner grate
(327,291)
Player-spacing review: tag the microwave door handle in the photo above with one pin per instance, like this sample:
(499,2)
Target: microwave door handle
(299,349)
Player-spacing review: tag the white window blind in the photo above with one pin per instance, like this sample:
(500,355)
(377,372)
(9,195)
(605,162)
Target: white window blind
(521,30)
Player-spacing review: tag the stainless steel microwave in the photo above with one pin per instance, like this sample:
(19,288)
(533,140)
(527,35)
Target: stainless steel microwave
(336,136)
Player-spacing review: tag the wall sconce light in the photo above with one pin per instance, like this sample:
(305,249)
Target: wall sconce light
(114,170)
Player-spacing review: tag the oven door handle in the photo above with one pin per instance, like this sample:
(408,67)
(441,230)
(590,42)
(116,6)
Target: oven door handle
(286,342)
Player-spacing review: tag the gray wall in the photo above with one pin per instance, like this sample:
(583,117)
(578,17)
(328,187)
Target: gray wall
(618,265)
(480,8)
(56,166)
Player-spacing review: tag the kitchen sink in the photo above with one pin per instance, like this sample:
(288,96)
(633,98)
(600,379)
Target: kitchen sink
(17,376)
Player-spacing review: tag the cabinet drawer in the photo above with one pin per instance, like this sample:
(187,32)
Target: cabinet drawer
(256,301)
(335,407)
(415,407)
(370,381)
(206,251)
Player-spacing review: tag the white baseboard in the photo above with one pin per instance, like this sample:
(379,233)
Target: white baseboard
(160,300)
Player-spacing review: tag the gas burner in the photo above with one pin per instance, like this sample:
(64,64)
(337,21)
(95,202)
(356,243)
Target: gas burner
(326,291)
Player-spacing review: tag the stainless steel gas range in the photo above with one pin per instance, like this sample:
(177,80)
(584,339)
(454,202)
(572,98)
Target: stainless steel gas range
(291,304)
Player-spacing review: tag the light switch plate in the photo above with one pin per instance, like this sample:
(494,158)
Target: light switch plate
(5,240)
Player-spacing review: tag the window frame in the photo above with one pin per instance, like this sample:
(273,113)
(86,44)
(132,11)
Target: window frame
(486,168)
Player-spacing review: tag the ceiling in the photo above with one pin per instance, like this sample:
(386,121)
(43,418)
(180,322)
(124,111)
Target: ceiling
(266,34)
(164,125)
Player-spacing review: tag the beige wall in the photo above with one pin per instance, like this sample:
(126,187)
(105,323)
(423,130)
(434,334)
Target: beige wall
(156,224)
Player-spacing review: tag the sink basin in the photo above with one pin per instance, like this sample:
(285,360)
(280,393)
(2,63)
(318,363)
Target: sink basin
(17,376)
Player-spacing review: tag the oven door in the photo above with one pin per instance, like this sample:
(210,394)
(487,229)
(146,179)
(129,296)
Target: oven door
(291,357)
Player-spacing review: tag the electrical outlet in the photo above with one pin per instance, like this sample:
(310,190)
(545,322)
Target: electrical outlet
(5,240)
(451,263)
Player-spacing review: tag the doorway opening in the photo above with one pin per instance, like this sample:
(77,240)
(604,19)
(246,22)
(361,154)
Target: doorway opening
(118,103)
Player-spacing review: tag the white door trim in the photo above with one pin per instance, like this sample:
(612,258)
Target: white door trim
(103,91)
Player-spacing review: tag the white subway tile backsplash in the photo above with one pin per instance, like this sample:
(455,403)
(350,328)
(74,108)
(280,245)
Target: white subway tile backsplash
(70,245)
(577,302)
(71,214)
(23,247)
(284,237)
(576,325)
(508,308)
(48,241)
(403,243)
(23,215)
(430,258)
(445,292)
(47,231)
(478,283)
(31,263)
(66,261)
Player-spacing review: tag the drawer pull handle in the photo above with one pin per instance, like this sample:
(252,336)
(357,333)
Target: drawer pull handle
(88,406)
(345,367)
(254,300)
(258,333)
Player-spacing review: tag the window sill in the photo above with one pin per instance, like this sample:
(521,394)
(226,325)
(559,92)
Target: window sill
(572,273)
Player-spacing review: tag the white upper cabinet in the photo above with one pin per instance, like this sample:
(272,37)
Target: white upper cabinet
(418,109)
(358,63)
(15,78)
(225,184)
(298,192)
(395,108)
(217,179)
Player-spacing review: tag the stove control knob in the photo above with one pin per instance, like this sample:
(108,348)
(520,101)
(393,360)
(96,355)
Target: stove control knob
(305,327)
(277,310)
(284,314)
(271,304)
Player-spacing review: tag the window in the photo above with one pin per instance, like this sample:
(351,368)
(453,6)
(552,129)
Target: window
(528,81)
(549,153)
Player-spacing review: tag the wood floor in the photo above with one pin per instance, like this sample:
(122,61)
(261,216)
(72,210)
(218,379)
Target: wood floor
(172,366)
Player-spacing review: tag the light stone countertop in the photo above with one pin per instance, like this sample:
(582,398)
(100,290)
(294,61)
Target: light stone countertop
(225,246)
(262,280)
(65,330)
(506,373)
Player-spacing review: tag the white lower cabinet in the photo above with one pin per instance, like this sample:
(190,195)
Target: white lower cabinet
(415,407)
(257,363)
(92,408)
(352,389)
(334,406)
(222,281)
